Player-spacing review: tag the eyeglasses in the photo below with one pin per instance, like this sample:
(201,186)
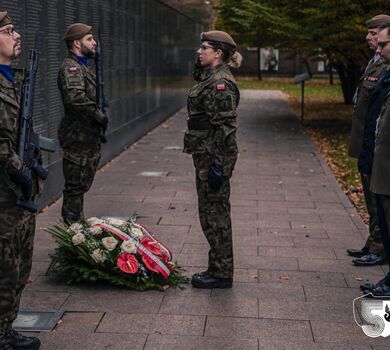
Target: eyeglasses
(382,44)
(205,47)
(10,31)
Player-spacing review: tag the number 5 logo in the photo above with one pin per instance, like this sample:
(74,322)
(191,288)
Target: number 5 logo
(376,314)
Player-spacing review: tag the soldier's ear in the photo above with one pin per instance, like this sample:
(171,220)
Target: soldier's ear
(77,44)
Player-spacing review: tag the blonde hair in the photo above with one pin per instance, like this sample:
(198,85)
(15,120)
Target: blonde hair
(235,60)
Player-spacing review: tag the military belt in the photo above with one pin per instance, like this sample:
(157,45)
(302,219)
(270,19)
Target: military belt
(194,124)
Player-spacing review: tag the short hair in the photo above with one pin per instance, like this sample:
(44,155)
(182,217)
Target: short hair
(69,44)
(385,26)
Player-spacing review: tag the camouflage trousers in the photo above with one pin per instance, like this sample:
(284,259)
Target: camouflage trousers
(17,229)
(78,180)
(374,242)
(215,220)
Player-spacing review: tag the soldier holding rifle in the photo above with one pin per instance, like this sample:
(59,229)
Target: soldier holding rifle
(19,184)
(82,128)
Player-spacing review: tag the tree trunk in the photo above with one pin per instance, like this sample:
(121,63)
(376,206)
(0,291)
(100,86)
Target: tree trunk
(259,64)
(349,77)
(330,69)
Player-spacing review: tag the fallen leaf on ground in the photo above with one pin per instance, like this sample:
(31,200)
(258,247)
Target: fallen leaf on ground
(284,278)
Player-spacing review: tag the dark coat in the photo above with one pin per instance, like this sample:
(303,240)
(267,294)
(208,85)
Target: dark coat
(367,86)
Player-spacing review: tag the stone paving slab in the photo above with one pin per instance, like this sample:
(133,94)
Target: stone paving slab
(294,283)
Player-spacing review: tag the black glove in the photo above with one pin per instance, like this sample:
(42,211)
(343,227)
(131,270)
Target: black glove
(198,70)
(103,128)
(23,178)
(215,177)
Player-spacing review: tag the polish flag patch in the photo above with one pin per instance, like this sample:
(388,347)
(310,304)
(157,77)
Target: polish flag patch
(72,69)
(221,86)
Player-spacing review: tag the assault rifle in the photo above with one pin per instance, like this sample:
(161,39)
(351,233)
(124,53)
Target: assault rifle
(30,143)
(100,98)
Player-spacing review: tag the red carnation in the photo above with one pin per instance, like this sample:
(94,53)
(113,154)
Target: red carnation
(128,263)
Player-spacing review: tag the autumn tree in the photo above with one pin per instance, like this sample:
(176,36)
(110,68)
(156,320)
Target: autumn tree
(331,28)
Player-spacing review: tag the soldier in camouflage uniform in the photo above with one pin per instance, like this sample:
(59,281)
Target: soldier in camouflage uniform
(361,144)
(17,225)
(80,130)
(211,139)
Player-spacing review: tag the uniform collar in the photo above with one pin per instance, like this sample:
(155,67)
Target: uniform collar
(6,71)
(208,72)
(81,59)
(376,57)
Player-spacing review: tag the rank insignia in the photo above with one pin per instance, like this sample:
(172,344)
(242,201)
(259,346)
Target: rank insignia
(221,86)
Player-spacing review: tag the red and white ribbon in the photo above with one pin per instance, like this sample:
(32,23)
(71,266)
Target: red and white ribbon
(166,250)
(160,266)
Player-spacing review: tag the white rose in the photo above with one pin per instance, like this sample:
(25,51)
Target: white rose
(128,247)
(76,228)
(136,232)
(78,238)
(95,230)
(94,221)
(98,256)
(109,243)
(115,222)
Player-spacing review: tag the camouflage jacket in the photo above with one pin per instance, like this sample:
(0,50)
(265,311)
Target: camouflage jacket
(212,112)
(368,82)
(10,95)
(79,129)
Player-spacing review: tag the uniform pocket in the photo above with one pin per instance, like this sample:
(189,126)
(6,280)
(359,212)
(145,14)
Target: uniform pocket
(195,141)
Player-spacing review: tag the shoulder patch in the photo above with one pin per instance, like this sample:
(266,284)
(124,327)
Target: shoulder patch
(73,69)
(221,86)
(73,81)
(224,101)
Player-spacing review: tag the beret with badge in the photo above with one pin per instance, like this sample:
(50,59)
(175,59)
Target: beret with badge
(220,36)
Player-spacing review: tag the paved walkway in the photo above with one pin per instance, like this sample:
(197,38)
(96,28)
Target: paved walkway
(294,284)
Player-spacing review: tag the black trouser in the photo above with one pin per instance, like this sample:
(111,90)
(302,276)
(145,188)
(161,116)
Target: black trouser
(383,212)
(374,241)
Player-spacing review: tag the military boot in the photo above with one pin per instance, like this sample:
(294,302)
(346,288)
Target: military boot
(21,342)
(205,281)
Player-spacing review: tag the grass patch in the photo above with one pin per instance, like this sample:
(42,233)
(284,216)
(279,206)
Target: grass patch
(327,121)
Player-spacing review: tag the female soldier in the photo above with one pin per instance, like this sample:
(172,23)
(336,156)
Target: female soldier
(211,139)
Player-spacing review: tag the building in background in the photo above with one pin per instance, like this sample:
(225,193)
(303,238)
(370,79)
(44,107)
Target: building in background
(148,53)
(277,62)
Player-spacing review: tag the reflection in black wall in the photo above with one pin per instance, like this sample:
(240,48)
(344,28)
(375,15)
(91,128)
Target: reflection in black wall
(148,52)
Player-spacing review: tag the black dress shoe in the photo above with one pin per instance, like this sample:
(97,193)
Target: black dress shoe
(358,253)
(21,342)
(369,260)
(381,291)
(368,287)
(206,281)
